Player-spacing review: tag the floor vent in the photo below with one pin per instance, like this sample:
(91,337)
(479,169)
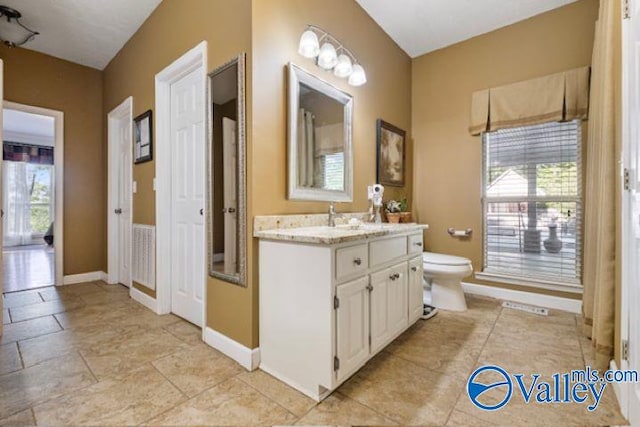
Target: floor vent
(144,255)
(524,307)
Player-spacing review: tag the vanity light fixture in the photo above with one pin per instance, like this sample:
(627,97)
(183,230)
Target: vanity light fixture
(332,55)
(12,32)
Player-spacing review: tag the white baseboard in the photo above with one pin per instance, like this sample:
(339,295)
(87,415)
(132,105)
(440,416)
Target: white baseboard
(540,300)
(84,277)
(246,357)
(144,299)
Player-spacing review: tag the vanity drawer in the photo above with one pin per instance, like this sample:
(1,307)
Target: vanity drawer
(382,251)
(351,260)
(414,243)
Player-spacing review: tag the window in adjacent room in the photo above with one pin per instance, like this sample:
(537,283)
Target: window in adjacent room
(533,203)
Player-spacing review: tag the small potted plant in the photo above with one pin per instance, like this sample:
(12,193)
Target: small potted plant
(405,215)
(393,211)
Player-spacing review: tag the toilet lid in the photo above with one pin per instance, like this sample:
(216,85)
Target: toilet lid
(442,259)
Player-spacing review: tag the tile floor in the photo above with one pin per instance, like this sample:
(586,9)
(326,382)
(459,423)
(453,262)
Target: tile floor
(27,267)
(88,355)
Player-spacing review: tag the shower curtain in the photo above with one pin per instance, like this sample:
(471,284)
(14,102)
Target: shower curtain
(598,307)
(306,143)
(16,203)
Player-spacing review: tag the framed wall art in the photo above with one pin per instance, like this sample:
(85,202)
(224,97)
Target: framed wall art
(390,154)
(143,138)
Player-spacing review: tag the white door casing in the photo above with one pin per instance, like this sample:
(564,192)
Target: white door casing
(194,59)
(58,180)
(630,325)
(1,230)
(188,197)
(230,194)
(120,205)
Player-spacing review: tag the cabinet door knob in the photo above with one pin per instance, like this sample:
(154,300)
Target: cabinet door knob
(392,277)
(397,275)
(418,243)
(369,287)
(414,268)
(357,261)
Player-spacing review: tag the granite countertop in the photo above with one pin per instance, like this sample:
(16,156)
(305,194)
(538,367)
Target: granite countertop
(339,234)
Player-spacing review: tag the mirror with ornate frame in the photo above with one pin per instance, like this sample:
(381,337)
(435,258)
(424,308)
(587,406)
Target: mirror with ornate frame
(319,128)
(226,164)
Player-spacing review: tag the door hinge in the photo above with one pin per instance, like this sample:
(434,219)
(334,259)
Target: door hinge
(369,340)
(336,303)
(627,179)
(625,350)
(626,9)
(336,363)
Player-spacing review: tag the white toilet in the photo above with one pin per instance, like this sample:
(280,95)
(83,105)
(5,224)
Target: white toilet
(445,273)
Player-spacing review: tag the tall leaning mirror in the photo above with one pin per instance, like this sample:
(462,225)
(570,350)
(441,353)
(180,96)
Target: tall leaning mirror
(226,187)
(320,126)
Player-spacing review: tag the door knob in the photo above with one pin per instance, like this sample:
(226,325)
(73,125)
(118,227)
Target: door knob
(357,261)
(201,211)
(118,211)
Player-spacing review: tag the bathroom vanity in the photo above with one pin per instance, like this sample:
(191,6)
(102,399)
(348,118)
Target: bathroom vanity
(331,298)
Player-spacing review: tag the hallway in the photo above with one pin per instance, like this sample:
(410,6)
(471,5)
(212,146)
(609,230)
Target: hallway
(27,267)
(88,355)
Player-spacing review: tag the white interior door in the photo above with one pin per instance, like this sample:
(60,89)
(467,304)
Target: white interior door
(1,100)
(230,194)
(124,201)
(188,197)
(631,203)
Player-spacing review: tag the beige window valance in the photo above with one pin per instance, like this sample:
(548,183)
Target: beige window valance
(557,97)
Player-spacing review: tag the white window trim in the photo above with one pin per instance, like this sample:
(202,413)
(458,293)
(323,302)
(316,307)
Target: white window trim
(498,277)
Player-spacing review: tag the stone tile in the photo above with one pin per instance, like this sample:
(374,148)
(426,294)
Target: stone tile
(21,419)
(403,391)
(460,419)
(42,309)
(230,403)
(19,299)
(197,368)
(106,298)
(113,315)
(80,288)
(450,347)
(29,329)
(112,288)
(186,332)
(524,356)
(124,400)
(129,350)
(54,293)
(22,389)
(338,409)
(287,397)
(39,349)
(5,316)
(9,358)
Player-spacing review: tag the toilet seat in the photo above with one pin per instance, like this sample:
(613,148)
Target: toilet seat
(444,260)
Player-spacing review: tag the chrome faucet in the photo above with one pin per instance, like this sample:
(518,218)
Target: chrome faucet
(332,215)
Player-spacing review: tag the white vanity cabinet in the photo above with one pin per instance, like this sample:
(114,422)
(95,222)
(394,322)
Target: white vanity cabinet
(327,308)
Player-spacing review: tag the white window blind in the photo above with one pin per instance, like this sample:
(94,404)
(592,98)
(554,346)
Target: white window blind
(533,202)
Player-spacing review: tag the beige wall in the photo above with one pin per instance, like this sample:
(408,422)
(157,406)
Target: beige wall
(277,26)
(448,160)
(36,79)
(172,29)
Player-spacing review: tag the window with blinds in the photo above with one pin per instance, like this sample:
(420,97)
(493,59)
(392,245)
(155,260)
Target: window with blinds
(533,202)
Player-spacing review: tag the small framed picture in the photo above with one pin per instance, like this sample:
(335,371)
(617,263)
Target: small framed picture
(143,138)
(390,154)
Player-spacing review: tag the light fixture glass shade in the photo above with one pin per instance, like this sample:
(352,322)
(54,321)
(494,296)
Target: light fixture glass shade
(328,58)
(12,31)
(309,45)
(343,67)
(358,76)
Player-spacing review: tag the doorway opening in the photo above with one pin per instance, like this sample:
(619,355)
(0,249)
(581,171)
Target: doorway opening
(31,217)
